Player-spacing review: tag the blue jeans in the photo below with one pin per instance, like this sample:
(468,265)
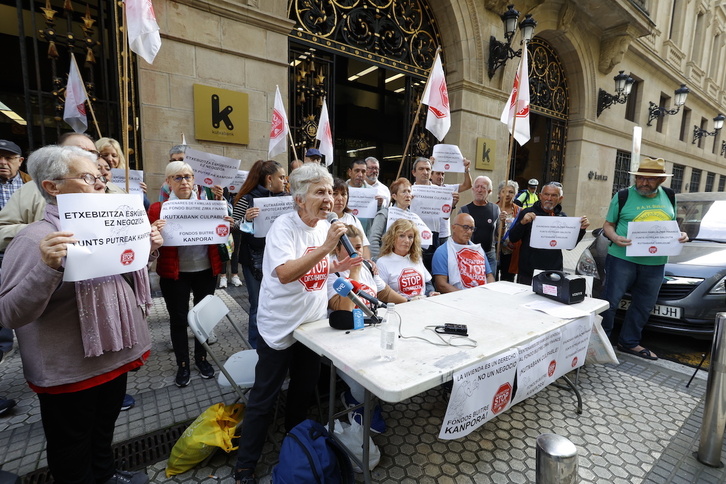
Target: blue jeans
(253,293)
(643,282)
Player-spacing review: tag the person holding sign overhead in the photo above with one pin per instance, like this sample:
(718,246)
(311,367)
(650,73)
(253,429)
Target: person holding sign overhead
(266,179)
(185,270)
(531,258)
(78,340)
(642,276)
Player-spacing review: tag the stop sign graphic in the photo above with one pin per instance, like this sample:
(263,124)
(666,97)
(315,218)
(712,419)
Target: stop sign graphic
(551,369)
(222,230)
(127,257)
(501,398)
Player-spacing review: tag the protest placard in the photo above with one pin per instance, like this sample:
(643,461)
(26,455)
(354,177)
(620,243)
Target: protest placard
(210,169)
(536,365)
(194,222)
(362,202)
(432,200)
(448,158)
(118,177)
(653,238)
(113,235)
(480,392)
(394,213)
(555,232)
(573,348)
(238,181)
(270,209)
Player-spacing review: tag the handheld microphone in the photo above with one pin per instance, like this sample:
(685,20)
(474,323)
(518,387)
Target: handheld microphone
(358,288)
(332,218)
(344,288)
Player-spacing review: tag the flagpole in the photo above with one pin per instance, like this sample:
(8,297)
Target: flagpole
(292,142)
(125,94)
(415,119)
(90,107)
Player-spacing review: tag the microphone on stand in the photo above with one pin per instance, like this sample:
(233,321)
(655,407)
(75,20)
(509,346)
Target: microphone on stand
(359,291)
(344,288)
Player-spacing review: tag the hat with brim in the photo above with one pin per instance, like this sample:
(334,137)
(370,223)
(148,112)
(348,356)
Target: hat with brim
(651,167)
(313,152)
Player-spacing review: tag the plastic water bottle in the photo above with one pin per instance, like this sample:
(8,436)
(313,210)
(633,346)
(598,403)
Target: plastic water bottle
(389,333)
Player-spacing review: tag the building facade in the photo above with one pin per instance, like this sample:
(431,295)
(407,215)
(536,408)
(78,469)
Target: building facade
(369,60)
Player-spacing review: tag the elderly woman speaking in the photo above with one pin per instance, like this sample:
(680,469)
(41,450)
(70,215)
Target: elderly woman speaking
(293,291)
(79,339)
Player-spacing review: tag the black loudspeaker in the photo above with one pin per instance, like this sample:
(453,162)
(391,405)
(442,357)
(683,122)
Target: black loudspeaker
(559,286)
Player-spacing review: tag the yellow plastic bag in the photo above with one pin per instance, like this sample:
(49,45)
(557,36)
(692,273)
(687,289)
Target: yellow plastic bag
(215,427)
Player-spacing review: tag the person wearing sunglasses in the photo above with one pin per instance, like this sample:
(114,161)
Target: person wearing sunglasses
(78,340)
(459,263)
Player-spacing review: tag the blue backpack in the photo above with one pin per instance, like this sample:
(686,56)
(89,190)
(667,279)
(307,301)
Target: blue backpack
(310,455)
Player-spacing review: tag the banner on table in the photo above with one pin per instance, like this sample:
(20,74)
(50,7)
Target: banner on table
(113,235)
(362,202)
(432,200)
(480,392)
(194,222)
(118,177)
(270,209)
(555,232)
(448,158)
(537,364)
(210,169)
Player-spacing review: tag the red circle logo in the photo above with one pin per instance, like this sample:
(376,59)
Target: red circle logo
(552,367)
(447,166)
(553,243)
(446,208)
(127,257)
(426,235)
(355,211)
(316,278)
(208,181)
(574,361)
(653,249)
(222,230)
(502,398)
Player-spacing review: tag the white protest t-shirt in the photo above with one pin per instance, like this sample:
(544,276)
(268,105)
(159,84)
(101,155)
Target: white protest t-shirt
(405,277)
(283,307)
(369,283)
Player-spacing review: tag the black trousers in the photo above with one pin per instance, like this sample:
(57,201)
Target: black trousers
(176,294)
(270,372)
(79,430)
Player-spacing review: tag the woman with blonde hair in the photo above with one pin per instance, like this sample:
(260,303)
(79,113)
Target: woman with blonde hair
(400,264)
(110,150)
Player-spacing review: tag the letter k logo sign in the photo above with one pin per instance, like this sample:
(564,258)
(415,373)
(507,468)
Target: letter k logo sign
(221,116)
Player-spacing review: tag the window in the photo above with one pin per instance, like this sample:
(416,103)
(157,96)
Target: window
(631,104)
(722,183)
(704,125)
(710,180)
(695,180)
(663,103)
(685,124)
(677,180)
(621,178)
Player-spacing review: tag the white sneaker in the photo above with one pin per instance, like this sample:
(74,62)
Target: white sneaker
(223,282)
(236,282)
(212,338)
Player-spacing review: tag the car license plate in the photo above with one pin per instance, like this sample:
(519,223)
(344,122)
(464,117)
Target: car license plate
(671,312)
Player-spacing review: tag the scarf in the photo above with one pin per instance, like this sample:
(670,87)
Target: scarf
(104,310)
(466,265)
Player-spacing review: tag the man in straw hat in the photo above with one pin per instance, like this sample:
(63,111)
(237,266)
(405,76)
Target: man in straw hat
(642,276)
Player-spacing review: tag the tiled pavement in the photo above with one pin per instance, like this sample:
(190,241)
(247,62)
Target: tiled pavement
(640,423)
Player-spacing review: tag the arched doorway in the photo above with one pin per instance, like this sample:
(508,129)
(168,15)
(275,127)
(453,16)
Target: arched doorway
(370,60)
(543,157)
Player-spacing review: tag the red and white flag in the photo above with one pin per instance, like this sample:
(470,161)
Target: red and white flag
(74,112)
(279,129)
(518,104)
(143,31)
(325,135)
(436,97)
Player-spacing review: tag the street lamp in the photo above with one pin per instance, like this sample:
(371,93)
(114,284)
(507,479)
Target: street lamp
(655,111)
(623,86)
(699,133)
(501,52)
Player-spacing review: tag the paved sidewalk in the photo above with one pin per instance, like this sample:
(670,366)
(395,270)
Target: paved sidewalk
(640,424)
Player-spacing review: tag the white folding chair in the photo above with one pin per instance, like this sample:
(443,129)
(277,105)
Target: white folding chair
(238,371)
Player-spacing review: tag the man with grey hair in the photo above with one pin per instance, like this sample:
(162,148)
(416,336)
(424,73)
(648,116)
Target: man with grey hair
(373,170)
(545,259)
(486,216)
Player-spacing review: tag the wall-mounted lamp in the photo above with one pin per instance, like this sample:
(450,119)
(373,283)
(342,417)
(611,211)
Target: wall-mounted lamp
(501,52)
(655,111)
(699,133)
(623,86)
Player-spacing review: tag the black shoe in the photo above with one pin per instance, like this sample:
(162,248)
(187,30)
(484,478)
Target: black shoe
(124,477)
(6,405)
(245,476)
(205,368)
(183,375)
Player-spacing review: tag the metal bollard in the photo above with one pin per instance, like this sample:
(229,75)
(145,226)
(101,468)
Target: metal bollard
(714,411)
(556,460)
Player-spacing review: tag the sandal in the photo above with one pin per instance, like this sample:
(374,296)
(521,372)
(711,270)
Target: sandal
(644,353)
